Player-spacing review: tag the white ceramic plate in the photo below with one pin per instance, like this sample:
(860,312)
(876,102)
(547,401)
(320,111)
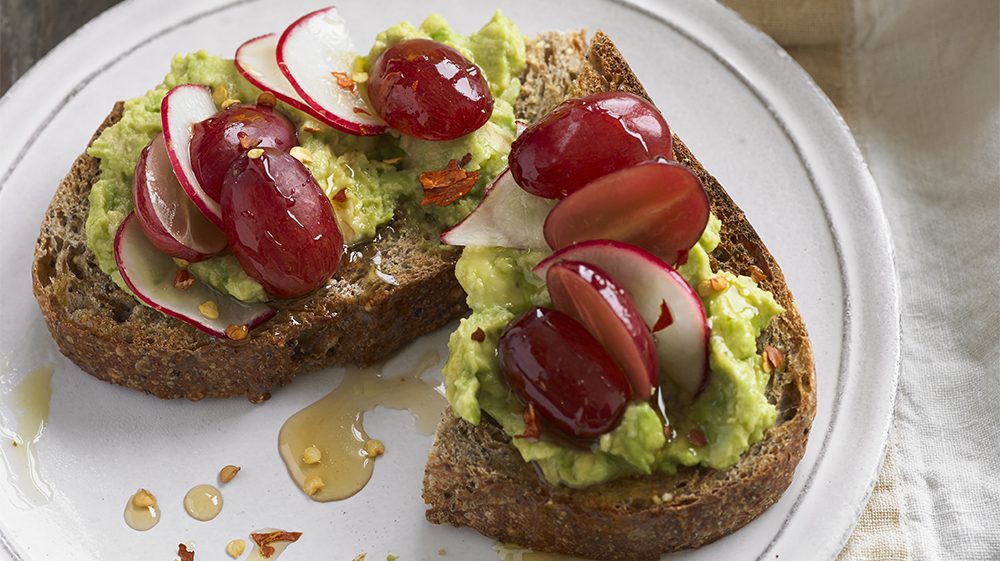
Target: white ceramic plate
(746,109)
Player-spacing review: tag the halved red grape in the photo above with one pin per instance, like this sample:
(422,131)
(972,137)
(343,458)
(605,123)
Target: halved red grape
(590,296)
(429,90)
(585,138)
(551,361)
(219,140)
(659,206)
(280,224)
(166,214)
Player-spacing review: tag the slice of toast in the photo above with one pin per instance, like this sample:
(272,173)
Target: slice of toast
(359,318)
(475,477)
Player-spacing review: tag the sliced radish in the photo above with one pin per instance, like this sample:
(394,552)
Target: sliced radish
(682,345)
(309,52)
(168,217)
(150,274)
(182,107)
(257,61)
(660,206)
(508,216)
(592,297)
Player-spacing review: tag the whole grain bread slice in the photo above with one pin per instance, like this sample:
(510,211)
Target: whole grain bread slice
(385,294)
(476,478)
(398,287)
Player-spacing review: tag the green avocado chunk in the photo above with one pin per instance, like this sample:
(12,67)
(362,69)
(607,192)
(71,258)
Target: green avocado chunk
(732,412)
(380,174)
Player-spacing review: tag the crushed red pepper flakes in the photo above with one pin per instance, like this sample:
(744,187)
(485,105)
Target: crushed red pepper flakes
(532,428)
(237,332)
(697,437)
(264,541)
(668,432)
(183,279)
(267,99)
(479,335)
(665,320)
(340,196)
(756,274)
(343,80)
(184,553)
(246,142)
(465,159)
(773,358)
(445,186)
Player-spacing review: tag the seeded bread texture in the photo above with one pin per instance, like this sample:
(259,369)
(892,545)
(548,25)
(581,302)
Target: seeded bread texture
(474,477)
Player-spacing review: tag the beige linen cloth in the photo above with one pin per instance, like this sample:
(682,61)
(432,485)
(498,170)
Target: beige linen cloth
(918,81)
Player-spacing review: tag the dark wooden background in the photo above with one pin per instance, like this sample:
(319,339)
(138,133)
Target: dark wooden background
(30,28)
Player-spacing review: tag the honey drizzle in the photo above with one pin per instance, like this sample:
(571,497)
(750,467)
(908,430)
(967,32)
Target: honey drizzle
(335,425)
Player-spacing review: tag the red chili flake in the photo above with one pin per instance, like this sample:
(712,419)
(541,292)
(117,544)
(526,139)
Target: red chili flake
(340,196)
(479,335)
(773,358)
(532,428)
(445,186)
(246,142)
(697,437)
(343,80)
(665,320)
(360,111)
(668,432)
(184,554)
(264,541)
(183,279)
(465,159)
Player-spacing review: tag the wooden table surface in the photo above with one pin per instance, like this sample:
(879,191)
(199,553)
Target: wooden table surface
(30,28)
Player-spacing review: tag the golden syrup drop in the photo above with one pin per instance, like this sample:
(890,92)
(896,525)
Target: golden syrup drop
(335,425)
(23,417)
(141,518)
(514,553)
(203,502)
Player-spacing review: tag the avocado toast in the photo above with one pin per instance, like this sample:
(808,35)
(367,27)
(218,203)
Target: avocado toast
(476,476)
(393,285)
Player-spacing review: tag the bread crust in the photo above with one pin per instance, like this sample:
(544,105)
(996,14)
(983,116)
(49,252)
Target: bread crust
(474,476)
(359,318)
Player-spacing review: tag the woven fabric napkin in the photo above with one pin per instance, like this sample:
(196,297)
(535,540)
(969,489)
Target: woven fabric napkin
(918,81)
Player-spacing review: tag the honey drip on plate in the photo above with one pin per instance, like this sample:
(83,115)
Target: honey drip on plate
(514,553)
(203,502)
(23,416)
(335,426)
(141,518)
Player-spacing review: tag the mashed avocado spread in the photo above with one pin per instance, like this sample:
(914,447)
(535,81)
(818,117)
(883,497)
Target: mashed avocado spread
(381,174)
(732,412)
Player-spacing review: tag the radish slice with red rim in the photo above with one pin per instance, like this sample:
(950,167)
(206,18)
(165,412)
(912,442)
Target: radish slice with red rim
(150,274)
(682,346)
(182,107)
(508,216)
(312,52)
(167,215)
(257,61)
(660,206)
